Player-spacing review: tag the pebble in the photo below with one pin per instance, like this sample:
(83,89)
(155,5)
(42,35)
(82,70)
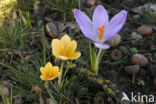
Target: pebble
(145,30)
(153,8)
(139,59)
(124,50)
(90,3)
(133,69)
(136,16)
(136,36)
(115,41)
(52,30)
(147,7)
(138,10)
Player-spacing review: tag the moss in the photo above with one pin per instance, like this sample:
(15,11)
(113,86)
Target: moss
(104,83)
(110,91)
(105,86)
(99,81)
(84,70)
(107,81)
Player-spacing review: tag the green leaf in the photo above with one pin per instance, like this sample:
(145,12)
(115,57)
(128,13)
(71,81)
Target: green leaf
(101,57)
(28,20)
(134,50)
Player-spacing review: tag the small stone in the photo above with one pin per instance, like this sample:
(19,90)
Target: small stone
(133,69)
(124,50)
(136,36)
(144,30)
(90,3)
(138,10)
(145,8)
(52,30)
(136,16)
(116,54)
(139,59)
(153,8)
(115,41)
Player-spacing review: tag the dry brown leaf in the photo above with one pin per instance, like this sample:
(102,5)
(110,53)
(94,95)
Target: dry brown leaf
(38,91)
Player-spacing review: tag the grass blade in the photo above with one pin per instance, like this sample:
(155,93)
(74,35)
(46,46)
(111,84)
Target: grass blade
(43,43)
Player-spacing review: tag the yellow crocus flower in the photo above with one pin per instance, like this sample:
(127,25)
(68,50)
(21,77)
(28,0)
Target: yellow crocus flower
(65,48)
(49,72)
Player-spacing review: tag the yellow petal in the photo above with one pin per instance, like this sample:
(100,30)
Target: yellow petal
(56,53)
(71,47)
(43,77)
(57,47)
(51,78)
(74,45)
(48,66)
(55,69)
(42,70)
(75,55)
(65,39)
(55,44)
(56,72)
(63,57)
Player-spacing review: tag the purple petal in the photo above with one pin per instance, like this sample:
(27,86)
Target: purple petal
(100,17)
(102,46)
(88,34)
(85,24)
(115,25)
(112,33)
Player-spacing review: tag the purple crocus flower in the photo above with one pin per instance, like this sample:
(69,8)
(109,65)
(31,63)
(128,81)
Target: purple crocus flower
(100,29)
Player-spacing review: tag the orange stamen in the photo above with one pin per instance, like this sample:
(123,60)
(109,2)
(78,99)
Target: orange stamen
(101,29)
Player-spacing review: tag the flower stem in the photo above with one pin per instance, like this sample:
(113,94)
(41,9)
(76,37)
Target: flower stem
(97,62)
(46,85)
(60,77)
